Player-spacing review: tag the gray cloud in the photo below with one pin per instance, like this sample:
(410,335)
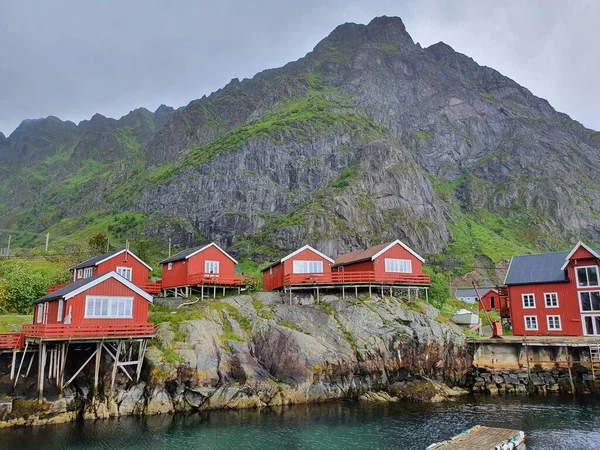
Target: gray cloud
(73,59)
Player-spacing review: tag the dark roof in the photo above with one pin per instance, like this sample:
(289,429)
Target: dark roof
(67,289)
(92,261)
(182,254)
(471,292)
(360,255)
(544,268)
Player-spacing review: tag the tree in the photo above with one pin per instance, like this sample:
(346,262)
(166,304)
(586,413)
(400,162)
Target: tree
(22,286)
(439,292)
(98,243)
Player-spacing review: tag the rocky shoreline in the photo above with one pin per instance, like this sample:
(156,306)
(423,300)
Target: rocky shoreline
(255,351)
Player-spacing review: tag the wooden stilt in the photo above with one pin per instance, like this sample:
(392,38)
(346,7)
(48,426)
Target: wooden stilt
(223,292)
(427,295)
(97,366)
(21,364)
(317,293)
(569,367)
(343,292)
(215,291)
(115,365)
(370,296)
(12,366)
(356,291)
(382,291)
(141,354)
(41,371)
(31,363)
(63,365)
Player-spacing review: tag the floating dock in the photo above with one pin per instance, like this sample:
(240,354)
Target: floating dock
(484,438)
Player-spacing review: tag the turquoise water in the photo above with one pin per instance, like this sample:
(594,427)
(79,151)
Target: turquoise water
(549,423)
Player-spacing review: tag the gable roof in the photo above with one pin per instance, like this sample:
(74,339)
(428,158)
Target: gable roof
(579,244)
(101,258)
(470,292)
(79,286)
(291,255)
(372,253)
(188,253)
(542,268)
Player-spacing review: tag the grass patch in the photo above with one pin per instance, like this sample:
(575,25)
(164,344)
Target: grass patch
(12,322)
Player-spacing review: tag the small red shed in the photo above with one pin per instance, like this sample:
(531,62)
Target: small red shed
(124,262)
(104,302)
(298,267)
(491,301)
(390,262)
(203,265)
(555,293)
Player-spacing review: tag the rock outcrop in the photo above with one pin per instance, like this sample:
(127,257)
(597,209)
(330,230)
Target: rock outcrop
(256,351)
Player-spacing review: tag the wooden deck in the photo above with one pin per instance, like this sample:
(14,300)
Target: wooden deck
(60,332)
(550,341)
(482,438)
(335,279)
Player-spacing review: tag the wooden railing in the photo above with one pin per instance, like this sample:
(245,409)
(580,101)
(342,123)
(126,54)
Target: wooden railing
(56,287)
(56,331)
(357,278)
(12,340)
(220,280)
(152,288)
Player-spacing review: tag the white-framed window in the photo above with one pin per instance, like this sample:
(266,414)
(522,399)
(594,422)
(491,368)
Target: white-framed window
(591,325)
(104,307)
(40,313)
(87,272)
(125,272)
(587,276)
(553,322)
(211,266)
(61,307)
(308,266)
(398,265)
(169,266)
(528,301)
(589,301)
(531,322)
(551,299)
(79,274)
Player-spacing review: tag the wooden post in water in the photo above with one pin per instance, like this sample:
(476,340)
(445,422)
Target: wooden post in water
(41,371)
(97,367)
(569,368)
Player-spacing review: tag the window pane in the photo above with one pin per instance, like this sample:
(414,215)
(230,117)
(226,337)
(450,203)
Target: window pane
(597,320)
(582,276)
(128,306)
(113,307)
(585,301)
(104,307)
(592,275)
(595,300)
(589,326)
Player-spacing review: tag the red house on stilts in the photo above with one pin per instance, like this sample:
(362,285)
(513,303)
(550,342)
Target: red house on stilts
(199,267)
(555,293)
(304,266)
(124,262)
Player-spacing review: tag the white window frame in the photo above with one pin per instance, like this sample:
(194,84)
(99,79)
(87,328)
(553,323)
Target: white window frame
(554,318)
(537,325)
(208,265)
(110,300)
(169,266)
(580,286)
(397,265)
(88,272)
(549,295)
(125,269)
(591,311)
(595,326)
(79,274)
(61,308)
(39,313)
(523,301)
(301,266)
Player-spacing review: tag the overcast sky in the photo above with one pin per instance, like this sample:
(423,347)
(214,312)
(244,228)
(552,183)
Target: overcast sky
(72,59)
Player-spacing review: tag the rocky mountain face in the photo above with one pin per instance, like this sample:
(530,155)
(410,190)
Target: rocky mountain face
(369,137)
(256,351)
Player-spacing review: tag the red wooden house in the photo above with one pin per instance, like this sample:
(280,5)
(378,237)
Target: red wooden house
(104,305)
(205,265)
(555,293)
(305,265)
(490,300)
(392,263)
(124,262)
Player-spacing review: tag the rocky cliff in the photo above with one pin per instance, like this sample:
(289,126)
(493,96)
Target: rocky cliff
(368,137)
(259,350)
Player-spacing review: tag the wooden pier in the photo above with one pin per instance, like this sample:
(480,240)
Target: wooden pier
(484,438)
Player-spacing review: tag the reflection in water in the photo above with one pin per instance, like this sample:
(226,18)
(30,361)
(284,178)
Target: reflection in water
(549,422)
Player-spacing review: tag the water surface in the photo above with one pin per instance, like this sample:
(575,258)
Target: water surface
(549,423)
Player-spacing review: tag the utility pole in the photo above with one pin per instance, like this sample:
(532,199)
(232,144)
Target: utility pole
(8,248)
(47,241)
(169,247)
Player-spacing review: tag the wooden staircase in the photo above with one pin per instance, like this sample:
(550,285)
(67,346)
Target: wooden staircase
(595,361)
